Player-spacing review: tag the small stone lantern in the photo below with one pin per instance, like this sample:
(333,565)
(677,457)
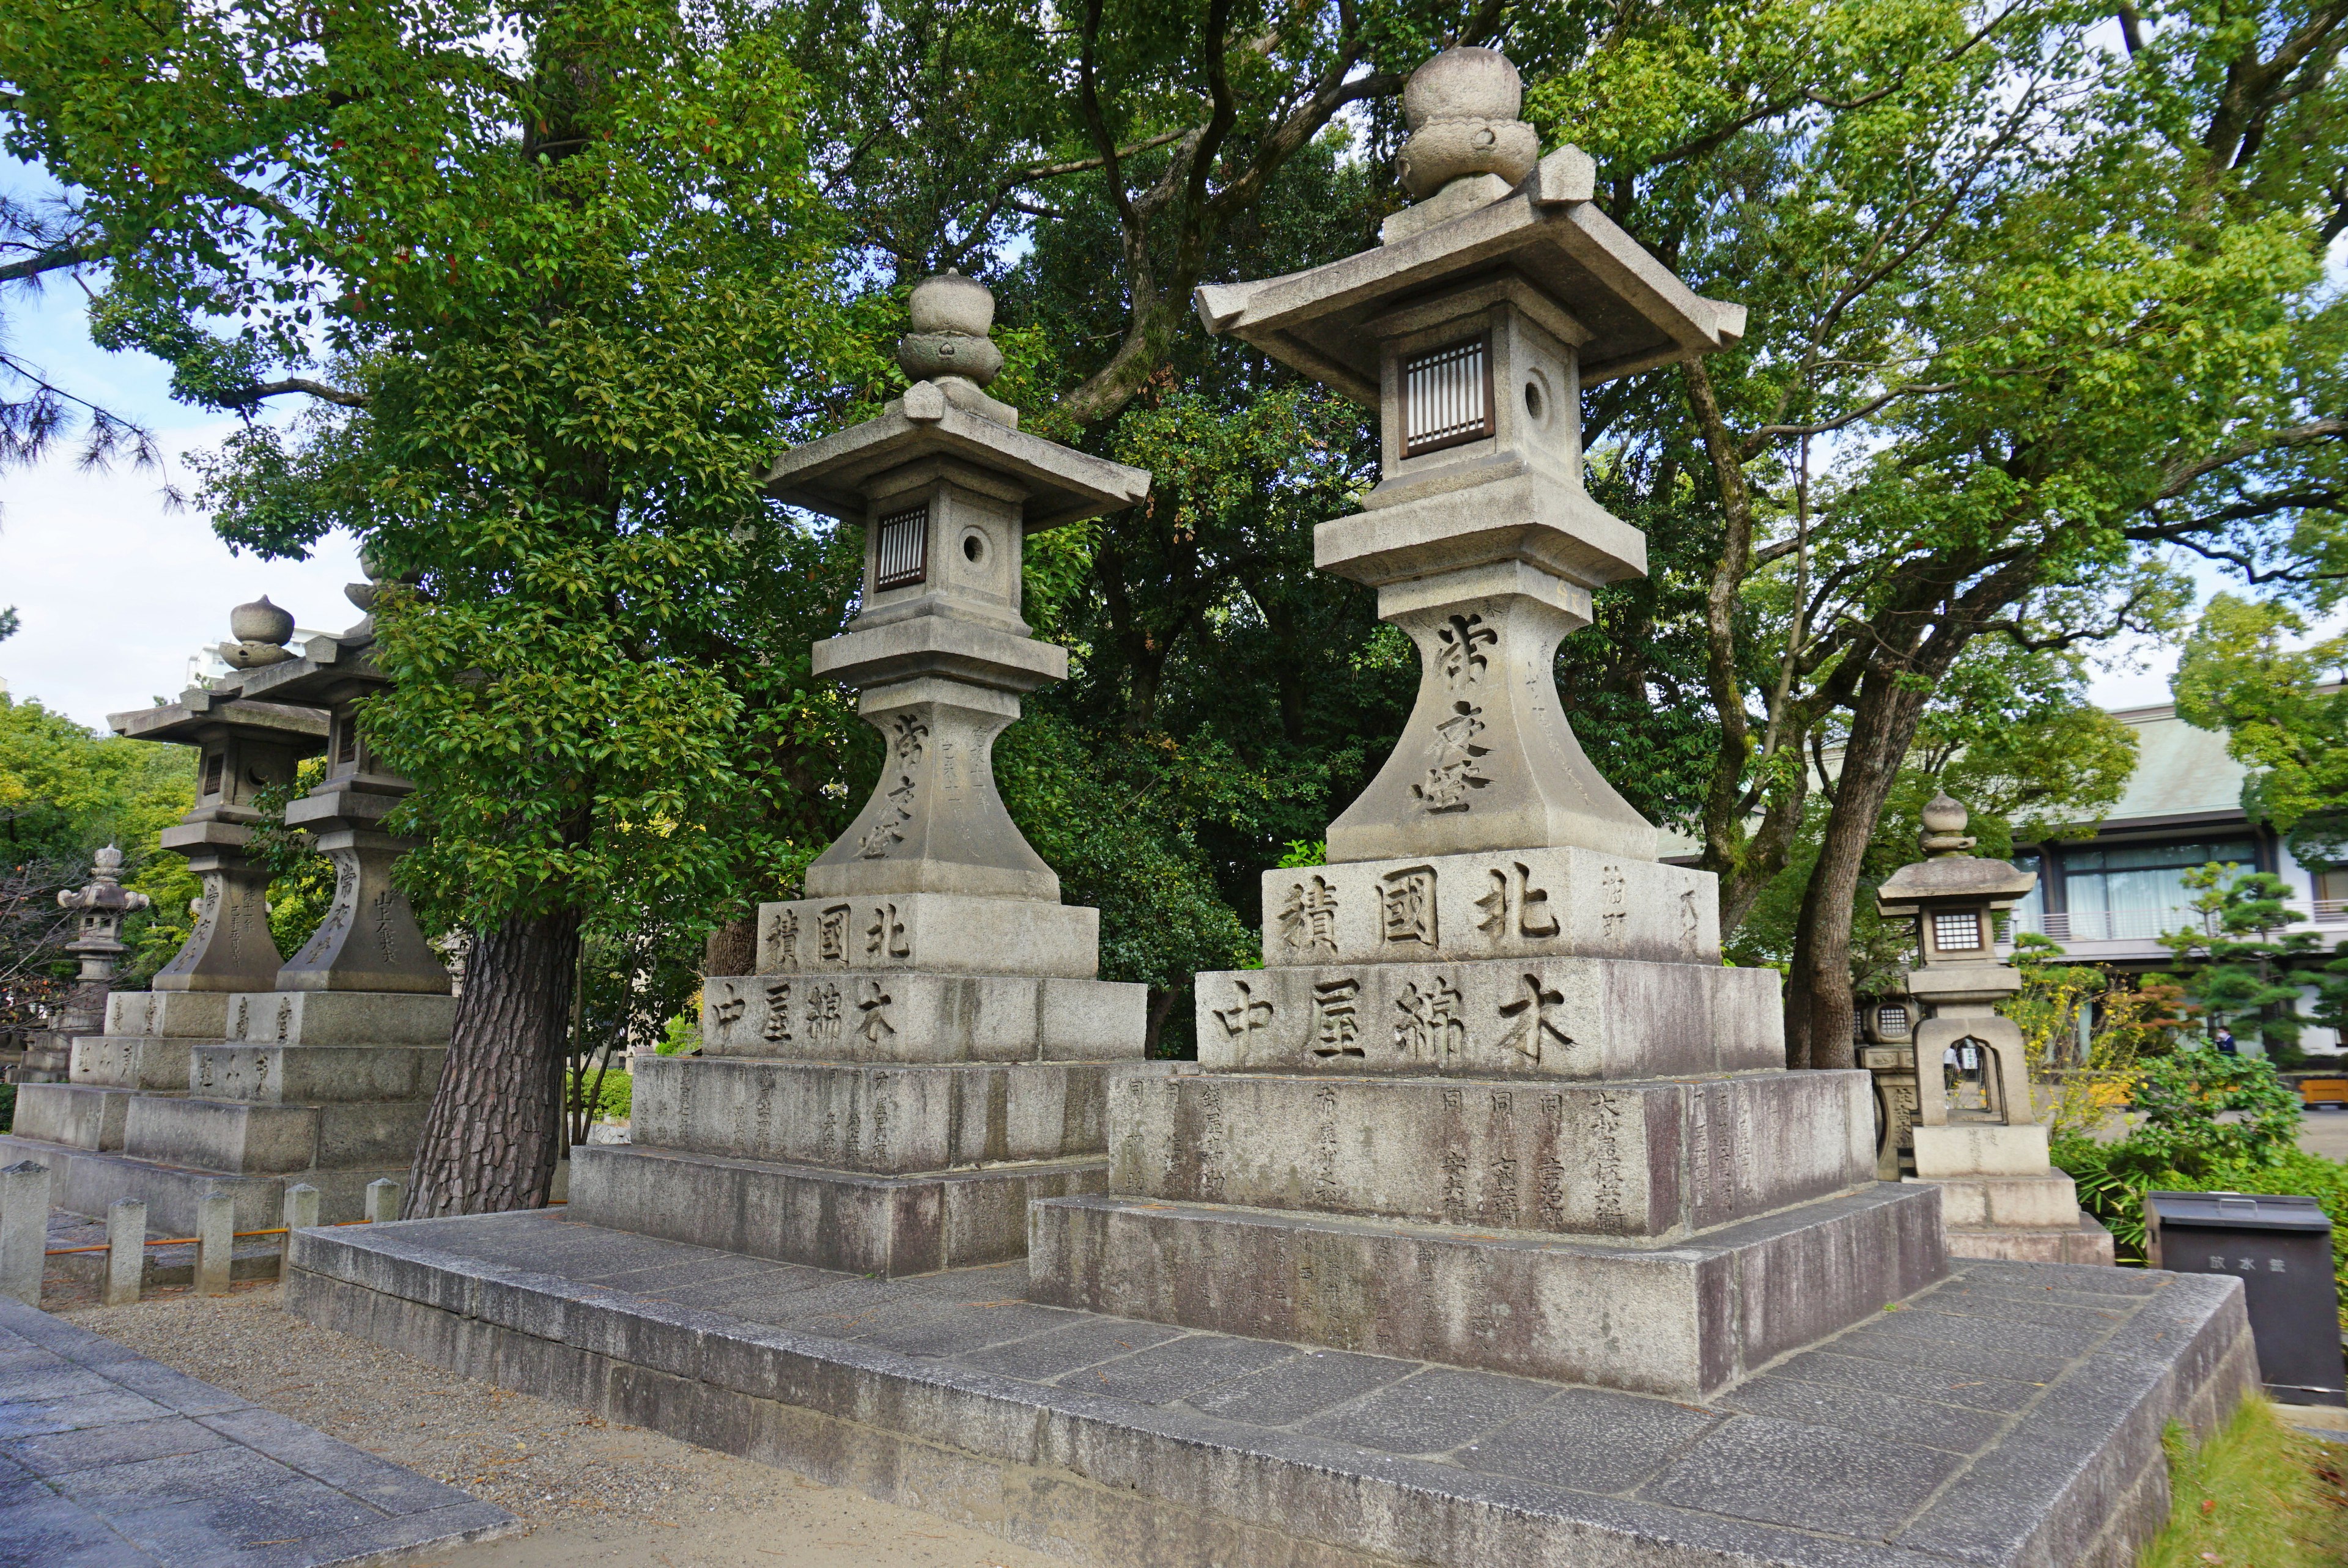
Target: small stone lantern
(1999,1194)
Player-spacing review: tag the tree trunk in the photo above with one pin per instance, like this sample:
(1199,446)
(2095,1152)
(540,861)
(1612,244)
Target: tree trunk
(732,949)
(1818,992)
(495,1129)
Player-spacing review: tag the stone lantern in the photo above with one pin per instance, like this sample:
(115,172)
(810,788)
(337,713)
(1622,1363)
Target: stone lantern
(1492,1098)
(924,1045)
(99,905)
(2000,1196)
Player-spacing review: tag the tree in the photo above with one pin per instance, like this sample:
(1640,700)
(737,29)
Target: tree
(2245,973)
(2024,318)
(2239,675)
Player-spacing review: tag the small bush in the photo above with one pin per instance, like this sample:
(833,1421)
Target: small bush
(615,1101)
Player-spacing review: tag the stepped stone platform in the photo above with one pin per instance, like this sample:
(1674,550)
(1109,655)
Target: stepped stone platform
(108,1460)
(2010,1414)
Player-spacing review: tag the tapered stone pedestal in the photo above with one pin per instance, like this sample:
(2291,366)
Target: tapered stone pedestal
(925,1048)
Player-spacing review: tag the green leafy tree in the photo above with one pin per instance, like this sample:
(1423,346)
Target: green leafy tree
(2243,959)
(2284,715)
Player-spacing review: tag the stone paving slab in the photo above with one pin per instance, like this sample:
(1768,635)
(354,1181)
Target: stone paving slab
(2007,1418)
(108,1459)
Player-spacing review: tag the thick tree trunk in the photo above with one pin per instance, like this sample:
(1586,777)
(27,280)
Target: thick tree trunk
(495,1129)
(732,949)
(1817,987)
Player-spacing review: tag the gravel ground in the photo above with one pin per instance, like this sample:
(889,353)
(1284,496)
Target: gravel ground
(595,1495)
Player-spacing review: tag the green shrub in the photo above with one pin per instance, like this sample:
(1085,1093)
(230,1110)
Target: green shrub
(617,1098)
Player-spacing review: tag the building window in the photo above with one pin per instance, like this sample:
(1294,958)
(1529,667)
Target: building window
(2332,893)
(2136,892)
(901,553)
(1446,397)
(1957,933)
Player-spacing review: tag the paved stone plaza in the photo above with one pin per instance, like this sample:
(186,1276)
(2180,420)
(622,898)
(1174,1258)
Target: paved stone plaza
(2008,1415)
(108,1460)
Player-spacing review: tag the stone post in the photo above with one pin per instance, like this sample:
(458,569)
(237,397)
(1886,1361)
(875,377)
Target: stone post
(215,1243)
(383,1196)
(126,1251)
(1999,1194)
(300,1214)
(1492,1100)
(23,1230)
(924,1045)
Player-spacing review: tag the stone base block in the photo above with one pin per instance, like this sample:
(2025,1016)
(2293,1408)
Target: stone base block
(1512,904)
(237,1137)
(2085,1241)
(873,1117)
(309,1074)
(340,1018)
(911,1015)
(887,1225)
(155,1061)
(1686,1320)
(1637,1159)
(1980,1149)
(2010,1417)
(76,1115)
(84,1182)
(2047,1201)
(184,1015)
(945,933)
(1532,1018)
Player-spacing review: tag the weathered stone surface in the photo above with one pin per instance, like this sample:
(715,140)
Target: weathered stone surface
(1980,1149)
(2083,1241)
(1616,1160)
(2049,1200)
(913,1017)
(135,1061)
(1518,904)
(87,1181)
(340,1018)
(939,1393)
(1533,1017)
(1686,1320)
(941,933)
(195,1014)
(76,1115)
(873,1117)
(298,1074)
(261,1139)
(888,1225)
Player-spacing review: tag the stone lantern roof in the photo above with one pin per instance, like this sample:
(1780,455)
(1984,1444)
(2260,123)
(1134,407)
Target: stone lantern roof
(945,415)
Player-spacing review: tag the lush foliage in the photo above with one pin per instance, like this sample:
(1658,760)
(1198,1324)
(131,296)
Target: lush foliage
(2240,675)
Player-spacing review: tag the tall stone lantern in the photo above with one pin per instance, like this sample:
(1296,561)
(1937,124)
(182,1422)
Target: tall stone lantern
(924,1046)
(99,906)
(1492,1100)
(1999,1194)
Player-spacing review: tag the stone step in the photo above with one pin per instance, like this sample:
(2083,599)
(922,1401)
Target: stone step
(1531,1018)
(1508,904)
(310,1074)
(135,1061)
(2085,1241)
(84,1182)
(198,1015)
(1639,1159)
(241,1138)
(887,1225)
(1686,1320)
(914,1016)
(340,1018)
(875,1117)
(2049,1200)
(946,933)
(80,1116)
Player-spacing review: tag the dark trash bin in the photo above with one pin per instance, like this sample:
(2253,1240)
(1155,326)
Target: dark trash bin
(2280,1247)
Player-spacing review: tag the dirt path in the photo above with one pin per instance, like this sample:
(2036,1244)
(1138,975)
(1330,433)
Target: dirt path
(596,1496)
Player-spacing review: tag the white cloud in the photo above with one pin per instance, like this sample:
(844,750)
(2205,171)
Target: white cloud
(116,592)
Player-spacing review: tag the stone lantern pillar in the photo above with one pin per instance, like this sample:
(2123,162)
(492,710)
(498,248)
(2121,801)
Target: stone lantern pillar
(924,1046)
(2000,1196)
(1493,1099)
(100,903)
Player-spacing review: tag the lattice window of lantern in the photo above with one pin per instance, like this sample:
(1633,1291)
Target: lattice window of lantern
(901,553)
(214,766)
(1957,933)
(1446,397)
(346,740)
(1891,1021)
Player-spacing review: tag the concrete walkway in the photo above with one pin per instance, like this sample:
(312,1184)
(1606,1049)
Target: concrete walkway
(108,1459)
